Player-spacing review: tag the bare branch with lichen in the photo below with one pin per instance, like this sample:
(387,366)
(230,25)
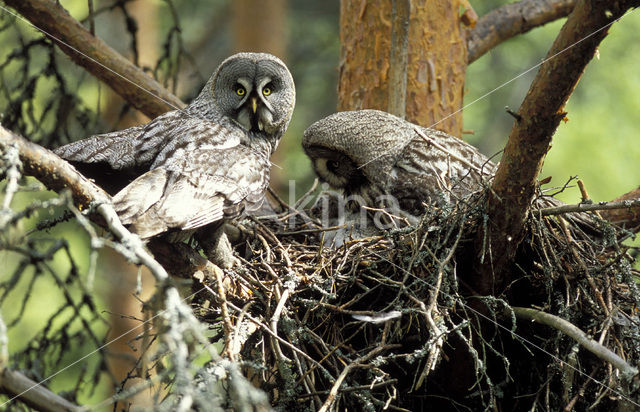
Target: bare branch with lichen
(630,204)
(571,330)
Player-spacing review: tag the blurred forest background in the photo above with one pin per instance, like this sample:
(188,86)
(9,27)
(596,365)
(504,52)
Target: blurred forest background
(50,100)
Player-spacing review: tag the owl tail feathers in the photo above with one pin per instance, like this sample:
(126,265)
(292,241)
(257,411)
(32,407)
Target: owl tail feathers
(135,203)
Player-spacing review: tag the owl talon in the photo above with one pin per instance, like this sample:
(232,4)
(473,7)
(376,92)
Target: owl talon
(218,249)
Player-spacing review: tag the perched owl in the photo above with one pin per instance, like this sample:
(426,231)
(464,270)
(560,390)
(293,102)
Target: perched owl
(377,158)
(209,161)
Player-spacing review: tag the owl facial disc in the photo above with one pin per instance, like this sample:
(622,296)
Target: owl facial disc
(328,170)
(255,112)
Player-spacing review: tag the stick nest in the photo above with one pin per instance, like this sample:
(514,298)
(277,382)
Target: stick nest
(393,321)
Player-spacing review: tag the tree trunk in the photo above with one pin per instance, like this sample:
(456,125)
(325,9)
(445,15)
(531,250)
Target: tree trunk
(259,26)
(370,35)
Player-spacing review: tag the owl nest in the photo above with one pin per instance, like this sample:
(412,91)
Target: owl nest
(390,321)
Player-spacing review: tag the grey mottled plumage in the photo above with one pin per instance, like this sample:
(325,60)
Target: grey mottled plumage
(372,155)
(192,167)
(381,161)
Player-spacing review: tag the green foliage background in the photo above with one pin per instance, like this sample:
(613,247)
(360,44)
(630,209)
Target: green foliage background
(598,143)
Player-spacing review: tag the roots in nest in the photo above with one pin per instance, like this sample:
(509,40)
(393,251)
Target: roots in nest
(392,321)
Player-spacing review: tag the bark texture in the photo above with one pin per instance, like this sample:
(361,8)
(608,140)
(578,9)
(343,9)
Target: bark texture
(436,62)
(512,19)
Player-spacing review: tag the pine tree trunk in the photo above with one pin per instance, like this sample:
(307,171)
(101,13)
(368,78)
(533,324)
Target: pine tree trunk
(435,65)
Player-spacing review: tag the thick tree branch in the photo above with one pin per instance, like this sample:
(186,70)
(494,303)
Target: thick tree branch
(541,111)
(576,333)
(512,19)
(126,79)
(52,171)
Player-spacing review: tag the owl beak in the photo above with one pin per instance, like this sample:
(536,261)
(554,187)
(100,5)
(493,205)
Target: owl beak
(254,104)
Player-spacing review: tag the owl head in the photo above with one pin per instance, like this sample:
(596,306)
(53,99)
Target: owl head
(254,90)
(356,150)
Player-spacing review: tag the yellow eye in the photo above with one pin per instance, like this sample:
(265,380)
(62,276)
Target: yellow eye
(266,91)
(240,91)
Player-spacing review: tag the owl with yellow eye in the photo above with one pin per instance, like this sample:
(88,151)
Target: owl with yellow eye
(255,112)
(198,166)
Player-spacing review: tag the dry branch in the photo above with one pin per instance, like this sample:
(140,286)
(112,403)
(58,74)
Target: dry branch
(542,110)
(33,394)
(589,207)
(571,330)
(126,79)
(512,19)
(52,171)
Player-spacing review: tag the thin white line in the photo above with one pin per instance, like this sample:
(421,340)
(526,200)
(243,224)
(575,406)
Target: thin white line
(508,330)
(88,57)
(96,350)
(512,80)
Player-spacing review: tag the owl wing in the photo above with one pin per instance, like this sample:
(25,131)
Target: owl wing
(124,149)
(114,159)
(439,168)
(186,194)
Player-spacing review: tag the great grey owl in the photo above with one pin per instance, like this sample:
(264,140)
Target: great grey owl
(374,157)
(209,161)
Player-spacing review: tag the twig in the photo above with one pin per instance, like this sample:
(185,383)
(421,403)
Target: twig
(354,388)
(228,327)
(573,331)
(588,207)
(236,330)
(274,323)
(357,363)
(309,231)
